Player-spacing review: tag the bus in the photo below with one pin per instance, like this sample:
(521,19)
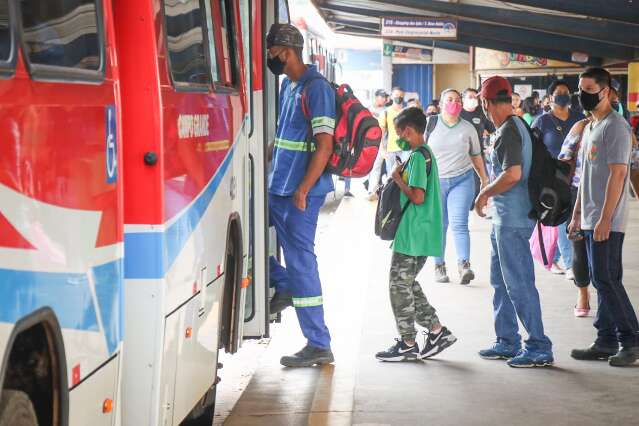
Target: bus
(133,220)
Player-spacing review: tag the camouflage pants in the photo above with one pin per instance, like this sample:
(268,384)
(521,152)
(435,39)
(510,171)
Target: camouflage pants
(409,303)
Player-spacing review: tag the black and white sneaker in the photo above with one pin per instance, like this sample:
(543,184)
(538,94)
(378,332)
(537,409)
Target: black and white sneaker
(400,351)
(435,343)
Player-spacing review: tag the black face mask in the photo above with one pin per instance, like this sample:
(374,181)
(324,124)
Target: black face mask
(562,100)
(589,101)
(546,108)
(398,100)
(276,65)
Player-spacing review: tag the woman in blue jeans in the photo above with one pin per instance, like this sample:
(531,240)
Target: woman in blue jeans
(456,147)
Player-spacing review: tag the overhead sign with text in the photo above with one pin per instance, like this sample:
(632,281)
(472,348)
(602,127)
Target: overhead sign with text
(419,27)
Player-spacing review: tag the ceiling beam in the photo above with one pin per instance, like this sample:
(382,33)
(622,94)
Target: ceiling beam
(616,10)
(599,30)
(510,34)
(478,41)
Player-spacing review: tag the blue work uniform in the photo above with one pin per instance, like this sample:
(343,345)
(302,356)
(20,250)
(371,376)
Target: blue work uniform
(295,228)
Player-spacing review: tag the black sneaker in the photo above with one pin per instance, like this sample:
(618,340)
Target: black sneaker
(348,194)
(625,357)
(435,343)
(400,351)
(279,302)
(593,353)
(308,357)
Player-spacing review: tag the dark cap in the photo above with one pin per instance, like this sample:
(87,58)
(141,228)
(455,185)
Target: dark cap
(615,85)
(381,92)
(284,35)
(491,87)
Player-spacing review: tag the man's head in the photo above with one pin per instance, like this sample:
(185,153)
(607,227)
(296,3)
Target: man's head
(496,99)
(380,97)
(410,124)
(470,99)
(594,89)
(432,109)
(397,94)
(284,43)
(516,100)
(560,93)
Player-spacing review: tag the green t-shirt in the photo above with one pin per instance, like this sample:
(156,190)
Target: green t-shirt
(420,232)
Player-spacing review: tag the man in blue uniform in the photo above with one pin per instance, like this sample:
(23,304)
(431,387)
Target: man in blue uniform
(298,185)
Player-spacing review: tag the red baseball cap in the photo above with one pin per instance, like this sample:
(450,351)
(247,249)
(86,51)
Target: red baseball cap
(493,85)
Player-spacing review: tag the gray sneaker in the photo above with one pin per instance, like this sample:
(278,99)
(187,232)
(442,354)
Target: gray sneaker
(308,357)
(466,275)
(440,274)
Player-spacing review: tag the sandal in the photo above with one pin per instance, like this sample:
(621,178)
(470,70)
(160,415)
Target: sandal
(582,312)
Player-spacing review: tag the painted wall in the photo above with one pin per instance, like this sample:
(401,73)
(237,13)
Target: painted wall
(457,76)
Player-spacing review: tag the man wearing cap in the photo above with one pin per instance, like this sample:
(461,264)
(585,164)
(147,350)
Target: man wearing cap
(298,185)
(379,112)
(512,273)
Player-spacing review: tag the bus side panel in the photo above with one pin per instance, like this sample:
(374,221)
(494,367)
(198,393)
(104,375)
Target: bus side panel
(84,409)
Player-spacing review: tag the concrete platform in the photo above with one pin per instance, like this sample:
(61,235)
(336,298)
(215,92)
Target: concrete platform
(456,388)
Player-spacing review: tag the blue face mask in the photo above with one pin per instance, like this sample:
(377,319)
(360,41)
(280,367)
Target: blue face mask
(562,100)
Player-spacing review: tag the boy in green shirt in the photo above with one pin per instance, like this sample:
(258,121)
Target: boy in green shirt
(420,234)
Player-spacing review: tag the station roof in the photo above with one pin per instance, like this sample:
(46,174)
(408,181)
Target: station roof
(606,30)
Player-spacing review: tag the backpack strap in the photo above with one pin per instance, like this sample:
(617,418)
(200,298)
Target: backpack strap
(306,111)
(431,123)
(429,162)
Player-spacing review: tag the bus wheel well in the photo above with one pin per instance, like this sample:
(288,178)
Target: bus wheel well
(35,364)
(233,267)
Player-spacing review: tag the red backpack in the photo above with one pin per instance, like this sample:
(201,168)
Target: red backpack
(357,134)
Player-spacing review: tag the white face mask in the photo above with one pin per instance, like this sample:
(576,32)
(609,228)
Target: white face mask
(471,103)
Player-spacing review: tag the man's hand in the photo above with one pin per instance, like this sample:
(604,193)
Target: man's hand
(299,199)
(602,229)
(575,224)
(480,204)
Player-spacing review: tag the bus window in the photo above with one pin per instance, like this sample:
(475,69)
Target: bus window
(245,19)
(185,33)
(229,46)
(5,32)
(62,38)
(282,12)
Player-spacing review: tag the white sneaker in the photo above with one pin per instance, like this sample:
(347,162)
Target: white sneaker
(556,269)
(570,276)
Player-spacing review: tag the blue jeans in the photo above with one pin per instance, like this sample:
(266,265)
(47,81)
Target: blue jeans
(458,194)
(512,276)
(564,245)
(616,320)
(296,232)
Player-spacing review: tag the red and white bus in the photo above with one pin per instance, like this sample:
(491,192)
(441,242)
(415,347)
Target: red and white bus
(133,218)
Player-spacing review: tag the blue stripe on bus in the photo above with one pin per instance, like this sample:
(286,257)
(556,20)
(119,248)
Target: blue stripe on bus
(69,296)
(144,255)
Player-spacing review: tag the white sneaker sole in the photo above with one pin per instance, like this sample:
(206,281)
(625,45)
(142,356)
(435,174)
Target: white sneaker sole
(399,358)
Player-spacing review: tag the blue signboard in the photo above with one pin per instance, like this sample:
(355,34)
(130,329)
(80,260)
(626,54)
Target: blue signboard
(111,150)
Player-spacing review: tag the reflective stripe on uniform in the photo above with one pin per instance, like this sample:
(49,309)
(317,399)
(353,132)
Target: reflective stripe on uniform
(306,302)
(292,145)
(323,121)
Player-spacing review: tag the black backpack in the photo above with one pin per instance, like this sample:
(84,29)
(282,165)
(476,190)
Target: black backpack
(389,209)
(548,186)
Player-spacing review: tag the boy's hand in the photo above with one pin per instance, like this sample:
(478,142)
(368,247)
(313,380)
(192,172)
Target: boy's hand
(602,229)
(397,172)
(575,224)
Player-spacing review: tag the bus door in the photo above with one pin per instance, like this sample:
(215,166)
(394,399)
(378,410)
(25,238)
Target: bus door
(61,266)
(263,91)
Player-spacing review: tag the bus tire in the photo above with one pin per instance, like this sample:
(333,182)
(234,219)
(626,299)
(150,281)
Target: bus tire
(16,409)
(202,414)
